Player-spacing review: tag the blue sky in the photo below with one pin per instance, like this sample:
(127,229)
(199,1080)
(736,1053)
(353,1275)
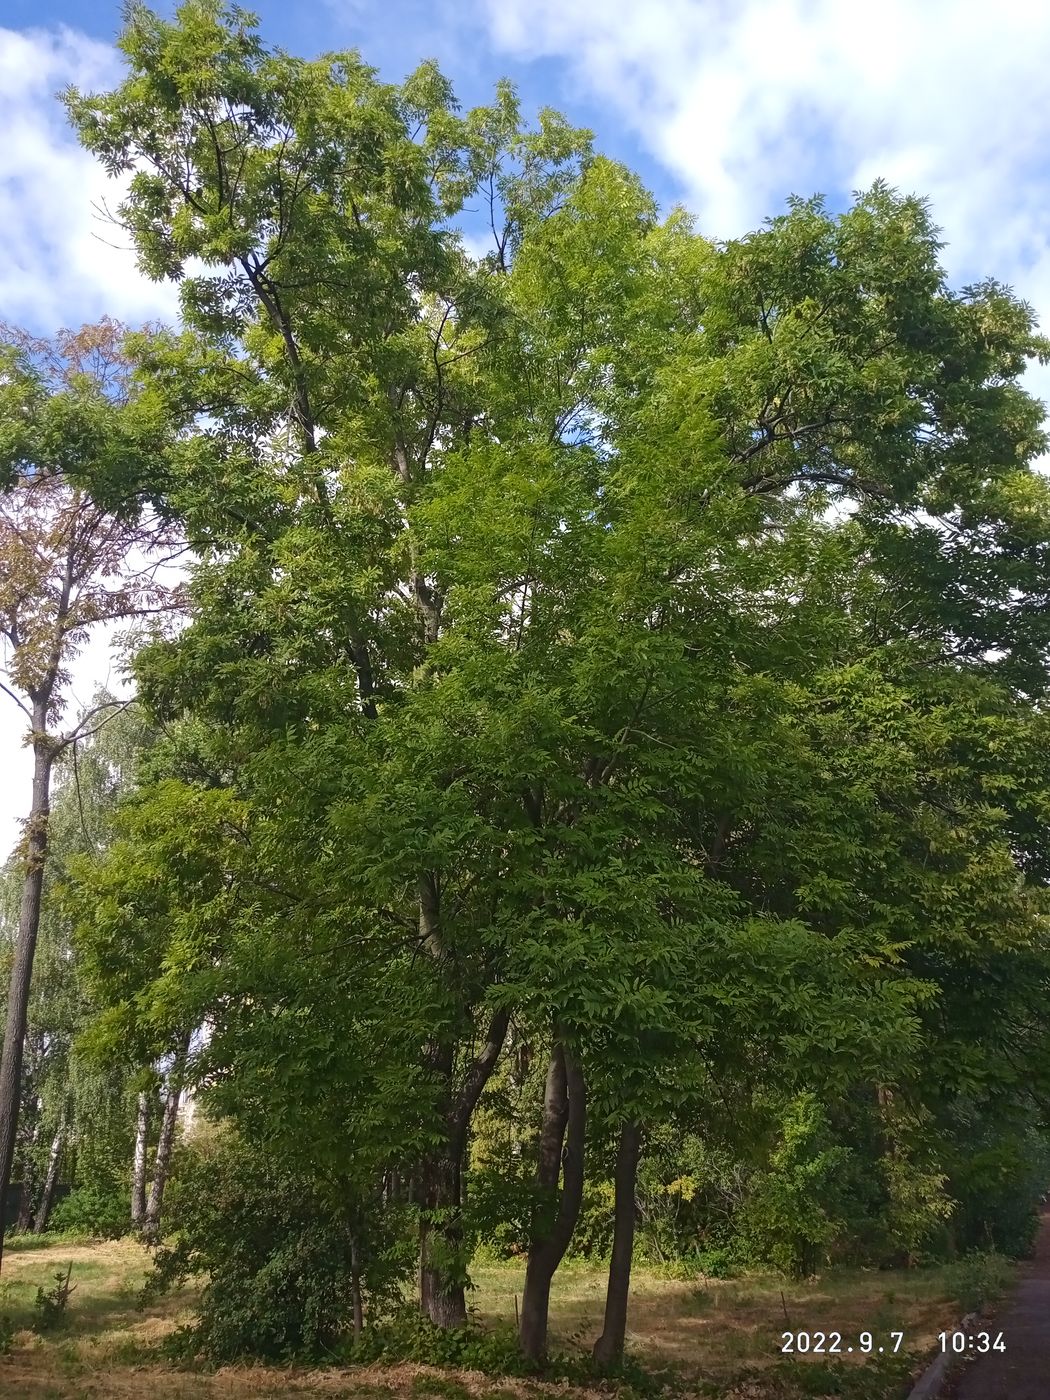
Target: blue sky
(724,105)
(395,37)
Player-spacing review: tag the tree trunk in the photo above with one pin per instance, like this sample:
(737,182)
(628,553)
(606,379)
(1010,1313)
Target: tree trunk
(608,1349)
(442,1285)
(442,1268)
(47,1196)
(165,1143)
(29,1180)
(25,950)
(24,1218)
(564,1121)
(138,1172)
(355,1289)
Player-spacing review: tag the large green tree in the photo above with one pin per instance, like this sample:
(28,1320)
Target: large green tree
(569,629)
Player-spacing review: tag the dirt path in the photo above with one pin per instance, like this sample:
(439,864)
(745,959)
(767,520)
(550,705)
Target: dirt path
(1022,1372)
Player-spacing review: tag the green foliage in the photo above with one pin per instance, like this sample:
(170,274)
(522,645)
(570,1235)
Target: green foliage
(979,1278)
(796,1210)
(502,1197)
(81,1104)
(409,1336)
(613,631)
(592,1238)
(716,1262)
(999,1182)
(280,1250)
(494,1350)
(50,1304)
(94,1210)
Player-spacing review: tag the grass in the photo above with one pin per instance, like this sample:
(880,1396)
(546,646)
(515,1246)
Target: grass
(722,1337)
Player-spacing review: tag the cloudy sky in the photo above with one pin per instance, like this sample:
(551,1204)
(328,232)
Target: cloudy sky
(727,106)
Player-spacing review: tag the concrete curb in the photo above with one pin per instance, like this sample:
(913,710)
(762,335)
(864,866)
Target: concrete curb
(933,1379)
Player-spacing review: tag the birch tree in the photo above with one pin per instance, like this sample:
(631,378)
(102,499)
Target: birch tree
(71,562)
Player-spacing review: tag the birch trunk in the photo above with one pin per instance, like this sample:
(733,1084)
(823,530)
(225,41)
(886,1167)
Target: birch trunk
(138,1171)
(355,1289)
(165,1143)
(47,1196)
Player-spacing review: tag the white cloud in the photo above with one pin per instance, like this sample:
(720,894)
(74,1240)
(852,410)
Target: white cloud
(62,264)
(750,100)
(59,268)
(747,101)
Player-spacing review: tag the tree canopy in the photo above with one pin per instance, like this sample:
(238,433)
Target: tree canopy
(614,684)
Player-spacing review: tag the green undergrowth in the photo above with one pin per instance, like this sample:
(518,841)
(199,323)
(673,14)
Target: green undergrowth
(879,1378)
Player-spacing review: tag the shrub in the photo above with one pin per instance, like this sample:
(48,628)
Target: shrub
(92,1209)
(282,1251)
(998,1183)
(51,1303)
(409,1336)
(794,1213)
(979,1278)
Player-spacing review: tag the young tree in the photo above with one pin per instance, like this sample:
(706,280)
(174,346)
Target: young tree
(71,1109)
(68,563)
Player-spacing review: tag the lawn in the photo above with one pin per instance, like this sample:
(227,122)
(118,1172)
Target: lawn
(722,1337)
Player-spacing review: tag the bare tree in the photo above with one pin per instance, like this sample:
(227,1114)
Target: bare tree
(68,564)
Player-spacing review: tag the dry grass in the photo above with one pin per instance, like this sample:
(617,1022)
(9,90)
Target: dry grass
(711,1330)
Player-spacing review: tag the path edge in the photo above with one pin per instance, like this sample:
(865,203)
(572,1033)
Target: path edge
(934,1378)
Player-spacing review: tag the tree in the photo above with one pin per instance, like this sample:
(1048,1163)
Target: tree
(68,563)
(518,595)
(165,1143)
(72,1111)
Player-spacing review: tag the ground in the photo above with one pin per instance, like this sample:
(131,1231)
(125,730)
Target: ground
(1019,1371)
(722,1336)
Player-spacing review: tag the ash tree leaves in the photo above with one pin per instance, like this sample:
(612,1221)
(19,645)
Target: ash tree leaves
(613,640)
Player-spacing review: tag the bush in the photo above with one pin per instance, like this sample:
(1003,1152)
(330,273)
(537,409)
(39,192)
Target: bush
(98,1211)
(718,1261)
(281,1250)
(794,1212)
(409,1336)
(979,1278)
(503,1200)
(51,1303)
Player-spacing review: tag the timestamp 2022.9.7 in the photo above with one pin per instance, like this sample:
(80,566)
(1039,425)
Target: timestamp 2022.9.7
(840,1343)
